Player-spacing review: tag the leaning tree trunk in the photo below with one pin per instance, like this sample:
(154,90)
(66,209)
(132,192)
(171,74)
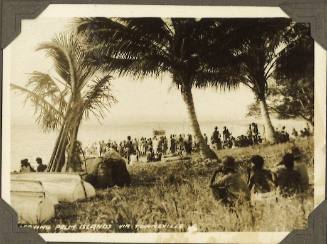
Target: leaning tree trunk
(57,160)
(205,150)
(269,129)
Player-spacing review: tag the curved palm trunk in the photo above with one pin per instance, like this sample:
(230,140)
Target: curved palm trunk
(205,150)
(269,129)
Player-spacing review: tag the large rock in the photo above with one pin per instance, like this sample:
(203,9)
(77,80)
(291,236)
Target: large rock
(107,171)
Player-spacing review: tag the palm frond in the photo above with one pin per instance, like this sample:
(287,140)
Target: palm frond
(98,97)
(43,85)
(47,115)
(59,49)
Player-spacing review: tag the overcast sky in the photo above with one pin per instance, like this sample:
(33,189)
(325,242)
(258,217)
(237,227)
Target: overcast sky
(138,100)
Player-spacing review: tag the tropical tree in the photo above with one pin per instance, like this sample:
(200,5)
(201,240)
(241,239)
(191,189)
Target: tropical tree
(291,93)
(295,79)
(63,100)
(186,48)
(262,44)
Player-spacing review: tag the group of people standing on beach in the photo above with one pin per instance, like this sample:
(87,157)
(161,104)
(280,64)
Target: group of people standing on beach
(227,140)
(290,176)
(153,148)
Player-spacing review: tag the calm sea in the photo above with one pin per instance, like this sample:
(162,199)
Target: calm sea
(28,141)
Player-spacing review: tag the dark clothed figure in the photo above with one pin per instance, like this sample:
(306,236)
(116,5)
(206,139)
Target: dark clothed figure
(40,166)
(215,138)
(25,166)
(129,148)
(205,137)
(301,167)
(287,179)
(260,179)
(226,134)
(229,188)
(172,145)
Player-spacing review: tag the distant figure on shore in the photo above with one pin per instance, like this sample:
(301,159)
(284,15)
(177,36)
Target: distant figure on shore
(287,179)
(295,133)
(129,148)
(25,166)
(229,188)
(40,166)
(259,178)
(216,139)
(301,167)
(205,137)
(250,134)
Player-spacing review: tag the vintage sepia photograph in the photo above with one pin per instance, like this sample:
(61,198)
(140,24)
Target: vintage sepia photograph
(162,124)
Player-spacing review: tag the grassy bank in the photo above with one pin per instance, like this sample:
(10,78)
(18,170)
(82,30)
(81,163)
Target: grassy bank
(176,195)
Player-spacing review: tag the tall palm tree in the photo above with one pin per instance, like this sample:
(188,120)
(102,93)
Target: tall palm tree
(64,100)
(151,46)
(261,44)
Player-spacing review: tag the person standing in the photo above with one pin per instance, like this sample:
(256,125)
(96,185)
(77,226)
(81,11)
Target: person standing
(129,148)
(205,137)
(250,134)
(215,138)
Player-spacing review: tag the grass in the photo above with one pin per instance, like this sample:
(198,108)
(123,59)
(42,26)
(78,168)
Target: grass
(169,197)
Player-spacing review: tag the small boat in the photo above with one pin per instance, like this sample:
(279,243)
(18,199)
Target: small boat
(159,132)
(32,203)
(65,187)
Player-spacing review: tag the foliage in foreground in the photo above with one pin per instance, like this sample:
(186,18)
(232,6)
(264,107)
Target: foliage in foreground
(178,194)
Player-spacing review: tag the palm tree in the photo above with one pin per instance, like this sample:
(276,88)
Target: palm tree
(151,46)
(77,91)
(262,43)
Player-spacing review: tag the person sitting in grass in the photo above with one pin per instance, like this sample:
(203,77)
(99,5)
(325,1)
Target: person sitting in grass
(229,188)
(260,179)
(287,179)
(300,167)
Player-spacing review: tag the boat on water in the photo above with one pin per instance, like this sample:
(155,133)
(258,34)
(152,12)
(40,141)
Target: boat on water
(158,132)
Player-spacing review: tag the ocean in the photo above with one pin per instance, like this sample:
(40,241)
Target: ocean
(28,141)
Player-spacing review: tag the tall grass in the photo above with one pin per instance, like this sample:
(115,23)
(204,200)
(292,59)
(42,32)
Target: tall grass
(169,197)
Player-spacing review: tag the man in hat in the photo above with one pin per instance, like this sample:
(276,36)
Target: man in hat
(287,179)
(229,188)
(259,178)
(300,167)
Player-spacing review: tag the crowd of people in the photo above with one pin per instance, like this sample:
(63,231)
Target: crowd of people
(153,148)
(290,177)
(150,148)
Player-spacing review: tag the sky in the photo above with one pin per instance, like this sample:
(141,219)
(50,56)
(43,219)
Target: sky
(150,99)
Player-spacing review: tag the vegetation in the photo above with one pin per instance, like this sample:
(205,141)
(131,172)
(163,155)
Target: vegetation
(291,95)
(62,101)
(264,43)
(177,193)
(194,51)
